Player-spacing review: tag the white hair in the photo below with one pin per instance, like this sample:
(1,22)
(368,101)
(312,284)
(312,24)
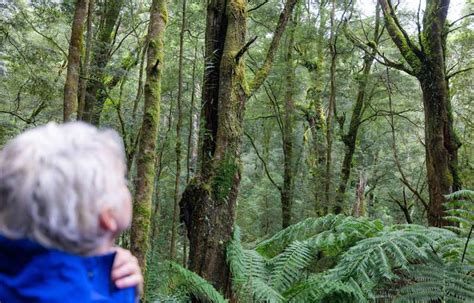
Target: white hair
(54,182)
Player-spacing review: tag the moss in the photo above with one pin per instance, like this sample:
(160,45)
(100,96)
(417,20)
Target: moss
(224,178)
(239,5)
(410,57)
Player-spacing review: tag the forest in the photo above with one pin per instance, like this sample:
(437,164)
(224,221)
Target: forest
(277,150)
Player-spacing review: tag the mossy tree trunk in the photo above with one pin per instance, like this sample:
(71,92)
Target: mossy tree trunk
(286,192)
(86,62)
(350,137)
(146,156)
(331,112)
(101,53)
(74,59)
(179,122)
(426,61)
(209,200)
(314,115)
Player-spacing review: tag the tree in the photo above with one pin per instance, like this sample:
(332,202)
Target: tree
(147,145)
(427,62)
(208,202)
(179,122)
(350,137)
(101,53)
(74,59)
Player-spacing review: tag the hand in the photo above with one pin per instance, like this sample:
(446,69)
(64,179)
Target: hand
(125,271)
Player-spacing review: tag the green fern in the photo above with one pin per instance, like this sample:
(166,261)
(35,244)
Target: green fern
(460,209)
(320,288)
(250,273)
(368,262)
(289,265)
(439,281)
(331,234)
(193,285)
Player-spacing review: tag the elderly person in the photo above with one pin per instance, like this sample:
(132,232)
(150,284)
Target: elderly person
(63,201)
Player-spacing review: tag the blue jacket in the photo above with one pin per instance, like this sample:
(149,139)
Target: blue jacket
(30,273)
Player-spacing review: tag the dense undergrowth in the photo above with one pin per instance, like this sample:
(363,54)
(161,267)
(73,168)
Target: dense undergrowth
(345,259)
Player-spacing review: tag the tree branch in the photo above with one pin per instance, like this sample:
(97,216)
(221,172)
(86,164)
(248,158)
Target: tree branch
(258,6)
(264,71)
(459,72)
(244,49)
(463,17)
(263,161)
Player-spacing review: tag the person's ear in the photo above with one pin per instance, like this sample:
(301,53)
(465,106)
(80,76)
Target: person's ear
(107,221)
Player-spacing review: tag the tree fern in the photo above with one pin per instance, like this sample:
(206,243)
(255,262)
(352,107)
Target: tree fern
(289,265)
(250,274)
(194,285)
(460,209)
(439,281)
(320,288)
(331,234)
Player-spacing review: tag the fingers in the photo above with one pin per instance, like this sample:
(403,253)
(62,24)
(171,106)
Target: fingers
(130,281)
(125,270)
(122,256)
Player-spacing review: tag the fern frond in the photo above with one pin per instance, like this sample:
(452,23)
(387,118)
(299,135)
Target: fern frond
(289,265)
(320,288)
(194,285)
(437,280)
(463,194)
(249,273)
(298,232)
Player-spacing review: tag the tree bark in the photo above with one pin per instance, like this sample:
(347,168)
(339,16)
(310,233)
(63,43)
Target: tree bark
(349,139)
(87,62)
(427,63)
(146,157)
(209,200)
(95,92)
(331,110)
(179,122)
(74,59)
(359,205)
(193,135)
(315,113)
(287,133)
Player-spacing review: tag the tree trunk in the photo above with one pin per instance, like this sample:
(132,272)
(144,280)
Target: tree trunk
(287,133)
(193,135)
(208,202)
(427,63)
(95,92)
(146,157)
(315,113)
(359,205)
(179,122)
(87,62)
(350,138)
(331,110)
(74,59)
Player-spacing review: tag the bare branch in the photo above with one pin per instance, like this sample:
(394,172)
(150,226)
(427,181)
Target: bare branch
(459,72)
(263,162)
(257,7)
(244,49)
(463,17)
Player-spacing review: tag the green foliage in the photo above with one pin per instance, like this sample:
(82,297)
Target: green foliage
(460,207)
(439,281)
(188,282)
(370,261)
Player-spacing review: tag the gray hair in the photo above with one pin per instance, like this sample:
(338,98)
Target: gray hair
(54,182)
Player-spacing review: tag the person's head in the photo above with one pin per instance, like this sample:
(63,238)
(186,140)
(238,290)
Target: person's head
(64,186)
